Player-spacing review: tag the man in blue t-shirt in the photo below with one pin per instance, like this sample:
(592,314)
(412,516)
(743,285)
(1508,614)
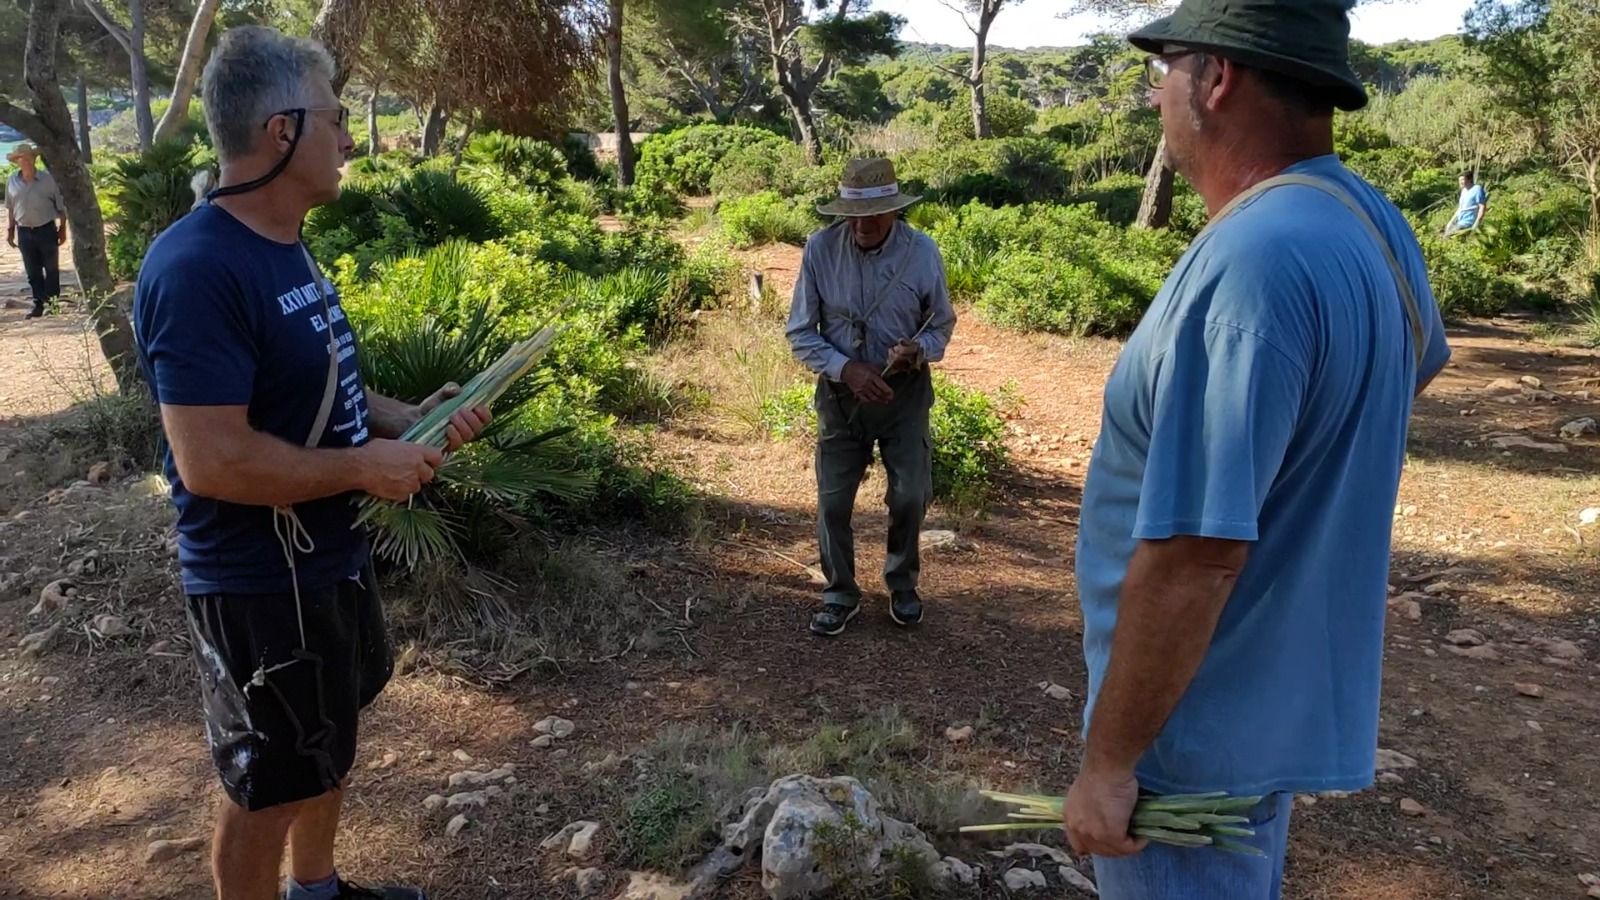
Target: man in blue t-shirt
(1470,208)
(1234,547)
(272,436)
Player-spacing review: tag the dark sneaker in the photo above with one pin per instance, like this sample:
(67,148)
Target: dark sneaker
(905,607)
(38,311)
(833,618)
(351,891)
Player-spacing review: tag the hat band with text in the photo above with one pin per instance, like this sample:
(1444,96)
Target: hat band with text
(869,193)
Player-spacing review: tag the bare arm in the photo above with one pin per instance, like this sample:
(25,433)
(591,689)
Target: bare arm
(219,455)
(1174,592)
(390,417)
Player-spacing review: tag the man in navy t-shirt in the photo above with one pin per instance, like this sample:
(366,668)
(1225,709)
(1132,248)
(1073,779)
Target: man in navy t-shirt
(272,436)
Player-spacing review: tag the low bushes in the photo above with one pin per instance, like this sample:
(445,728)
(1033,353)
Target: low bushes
(683,161)
(767,218)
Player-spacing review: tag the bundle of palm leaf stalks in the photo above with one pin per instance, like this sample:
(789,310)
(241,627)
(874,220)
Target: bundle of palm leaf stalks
(1184,820)
(483,390)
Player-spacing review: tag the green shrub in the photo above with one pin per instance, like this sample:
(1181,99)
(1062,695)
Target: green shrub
(1464,283)
(581,161)
(1115,198)
(995,172)
(969,449)
(766,218)
(145,194)
(1008,117)
(683,161)
(381,217)
(533,164)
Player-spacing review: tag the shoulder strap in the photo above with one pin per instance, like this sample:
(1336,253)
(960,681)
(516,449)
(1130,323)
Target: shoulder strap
(331,388)
(1408,296)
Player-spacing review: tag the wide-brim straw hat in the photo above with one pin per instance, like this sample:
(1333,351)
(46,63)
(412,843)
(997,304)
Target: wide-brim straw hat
(868,188)
(21,150)
(1308,40)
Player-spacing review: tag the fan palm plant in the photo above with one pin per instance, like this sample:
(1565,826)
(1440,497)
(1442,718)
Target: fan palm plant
(418,333)
(149,191)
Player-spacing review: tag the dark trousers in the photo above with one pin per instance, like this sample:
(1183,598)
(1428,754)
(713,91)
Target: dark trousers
(845,438)
(41,257)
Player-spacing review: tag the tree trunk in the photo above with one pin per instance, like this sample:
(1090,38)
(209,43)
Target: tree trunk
(340,26)
(49,124)
(980,50)
(433,132)
(194,49)
(374,146)
(1155,207)
(804,120)
(619,96)
(139,69)
(84,146)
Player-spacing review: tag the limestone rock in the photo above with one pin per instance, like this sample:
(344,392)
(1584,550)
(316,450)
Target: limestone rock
(1561,649)
(1412,808)
(1579,427)
(164,851)
(589,882)
(1528,689)
(959,735)
(1486,651)
(56,596)
(1465,637)
(110,626)
(650,886)
(1507,442)
(456,824)
(1025,880)
(960,872)
(1055,691)
(39,641)
(472,779)
(433,802)
(554,726)
(1077,879)
(582,844)
(1393,759)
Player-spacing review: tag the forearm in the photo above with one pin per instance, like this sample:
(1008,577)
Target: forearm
(936,339)
(258,469)
(389,417)
(1173,594)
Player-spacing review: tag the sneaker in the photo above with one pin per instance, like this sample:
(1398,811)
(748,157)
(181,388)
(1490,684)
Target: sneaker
(905,607)
(349,890)
(37,311)
(833,618)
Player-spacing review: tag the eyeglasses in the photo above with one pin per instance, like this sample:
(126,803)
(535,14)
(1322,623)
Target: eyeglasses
(299,113)
(1158,67)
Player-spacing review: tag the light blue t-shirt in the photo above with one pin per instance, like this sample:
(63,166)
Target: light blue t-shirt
(1467,209)
(1264,397)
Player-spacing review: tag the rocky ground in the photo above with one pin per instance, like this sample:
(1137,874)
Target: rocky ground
(481,788)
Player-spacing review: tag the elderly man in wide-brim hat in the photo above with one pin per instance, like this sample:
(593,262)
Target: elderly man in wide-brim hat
(36,224)
(871,310)
(1233,551)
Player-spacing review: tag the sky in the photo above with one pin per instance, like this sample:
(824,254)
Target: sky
(1034,23)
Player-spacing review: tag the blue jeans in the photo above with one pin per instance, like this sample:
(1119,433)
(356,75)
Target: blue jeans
(1164,872)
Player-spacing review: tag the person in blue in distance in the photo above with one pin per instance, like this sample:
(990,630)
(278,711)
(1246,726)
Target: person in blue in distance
(1233,554)
(1470,208)
(272,435)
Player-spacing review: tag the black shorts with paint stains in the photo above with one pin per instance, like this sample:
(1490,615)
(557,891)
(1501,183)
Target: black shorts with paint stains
(281,719)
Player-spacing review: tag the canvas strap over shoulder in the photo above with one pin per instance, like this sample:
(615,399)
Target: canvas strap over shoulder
(331,389)
(1408,296)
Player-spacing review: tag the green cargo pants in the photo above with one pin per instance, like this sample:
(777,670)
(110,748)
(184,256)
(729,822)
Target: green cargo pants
(844,450)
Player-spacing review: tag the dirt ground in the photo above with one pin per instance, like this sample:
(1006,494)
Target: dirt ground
(107,753)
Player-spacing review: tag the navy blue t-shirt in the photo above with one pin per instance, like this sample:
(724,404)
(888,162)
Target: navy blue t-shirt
(227,317)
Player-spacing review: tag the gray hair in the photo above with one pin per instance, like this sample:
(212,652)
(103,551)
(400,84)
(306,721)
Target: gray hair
(255,72)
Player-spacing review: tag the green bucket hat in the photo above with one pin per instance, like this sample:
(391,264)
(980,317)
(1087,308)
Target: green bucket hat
(1304,39)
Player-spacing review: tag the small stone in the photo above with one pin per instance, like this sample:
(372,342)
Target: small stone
(554,725)
(39,641)
(470,799)
(1391,778)
(589,882)
(1412,808)
(1532,381)
(1305,800)
(1394,759)
(456,824)
(1589,515)
(1533,726)
(110,626)
(50,680)
(166,850)
(960,872)
(1333,795)
(1407,607)
(1055,691)
(1590,879)
(158,648)
(1528,689)
(1025,879)
(1465,637)
(1594,893)
(461,756)
(582,843)
(941,540)
(425,755)
(55,597)
(385,762)
(1484,652)
(958,735)
(1506,442)
(542,741)
(1561,649)
(610,763)
(1579,427)
(1077,879)
(433,802)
